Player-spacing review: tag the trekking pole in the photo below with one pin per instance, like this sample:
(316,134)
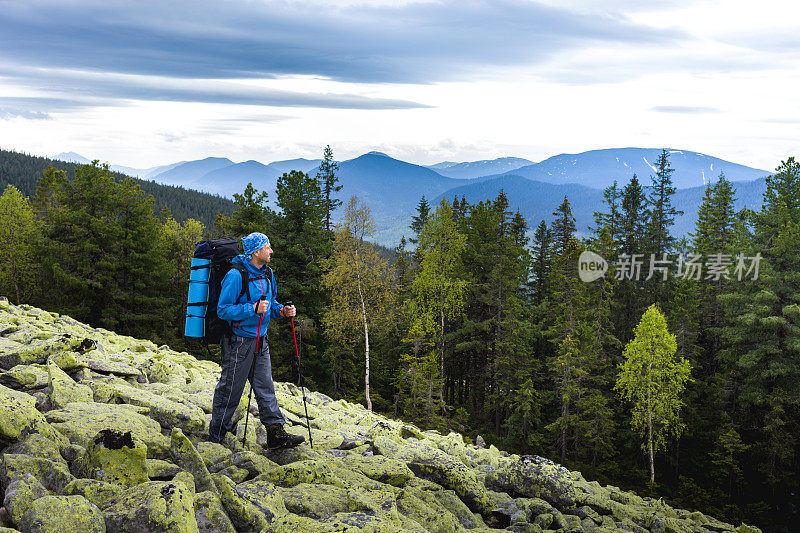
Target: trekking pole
(300,381)
(252,370)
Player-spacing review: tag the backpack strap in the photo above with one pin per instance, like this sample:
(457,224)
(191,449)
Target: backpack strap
(245,282)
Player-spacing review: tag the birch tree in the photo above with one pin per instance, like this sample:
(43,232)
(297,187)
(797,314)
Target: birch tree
(359,281)
(653,379)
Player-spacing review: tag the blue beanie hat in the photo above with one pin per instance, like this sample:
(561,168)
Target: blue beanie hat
(253,243)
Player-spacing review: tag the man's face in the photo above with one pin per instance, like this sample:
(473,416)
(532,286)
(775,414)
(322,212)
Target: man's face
(264,254)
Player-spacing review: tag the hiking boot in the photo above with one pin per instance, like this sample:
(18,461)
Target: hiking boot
(277,438)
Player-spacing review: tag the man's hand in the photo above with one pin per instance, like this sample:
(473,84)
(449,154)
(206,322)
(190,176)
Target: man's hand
(289,310)
(260,307)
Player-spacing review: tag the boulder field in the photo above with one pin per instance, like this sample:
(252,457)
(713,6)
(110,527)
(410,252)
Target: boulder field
(106,433)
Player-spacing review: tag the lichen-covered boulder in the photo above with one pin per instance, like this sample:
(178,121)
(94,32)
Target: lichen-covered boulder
(63,390)
(423,508)
(315,501)
(210,514)
(53,476)
(100,493)
(114,457)
(20,493)
(65,514)
(294,404)
(161,470)
(380,468)
(36,445)
(38,350)
(535,477)
(433,463)
(187,457)
(19,418)
(212,453)
(254,464)
(163,506)
(25,377)
(81,422)
(244,514)
(170,414)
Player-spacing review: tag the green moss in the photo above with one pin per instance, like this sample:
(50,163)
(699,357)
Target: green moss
(544,480)
(65,514)
(155,506)
(294,404)
(188,417)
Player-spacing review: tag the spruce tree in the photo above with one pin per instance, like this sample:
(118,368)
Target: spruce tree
(328,180)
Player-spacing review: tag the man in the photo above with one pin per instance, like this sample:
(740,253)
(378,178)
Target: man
(246,347)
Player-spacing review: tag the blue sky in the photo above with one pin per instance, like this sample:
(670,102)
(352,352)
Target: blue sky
(148,83)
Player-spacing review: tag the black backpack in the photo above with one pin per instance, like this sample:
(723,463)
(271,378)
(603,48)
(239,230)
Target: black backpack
(220,252)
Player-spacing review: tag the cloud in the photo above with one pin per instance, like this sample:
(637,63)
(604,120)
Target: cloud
(109,88)
(416,42)
(683,109)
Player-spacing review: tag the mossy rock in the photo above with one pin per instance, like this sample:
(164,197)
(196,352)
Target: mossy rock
(380,468)
(434,464)
(535,478)
(114,457)
(425,509)
(63,390)
(255,464)
(187,457)
(243,513)
(20,493)
(315,501)
(212,453)
(210,514)
(100,493)
(159,470)
(36,445)
(20,418)
(294,404)
(163,506)
(37,351)
(53,476)
(81,422)
(323,440)
(25,376)
(190,418)
(65,514)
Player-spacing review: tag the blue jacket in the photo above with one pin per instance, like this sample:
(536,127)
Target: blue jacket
(242,316)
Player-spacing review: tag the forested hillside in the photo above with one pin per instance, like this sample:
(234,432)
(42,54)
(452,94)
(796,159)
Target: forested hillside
(23,172)
(677,374)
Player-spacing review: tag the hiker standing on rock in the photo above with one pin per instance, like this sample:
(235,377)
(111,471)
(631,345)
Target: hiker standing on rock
(245,352)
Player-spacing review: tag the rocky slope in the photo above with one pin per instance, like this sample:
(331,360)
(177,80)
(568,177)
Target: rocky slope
(100,432)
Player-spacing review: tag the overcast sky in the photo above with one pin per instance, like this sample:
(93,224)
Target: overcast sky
(148,83)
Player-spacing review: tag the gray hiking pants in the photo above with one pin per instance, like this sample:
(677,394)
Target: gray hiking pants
(237,360)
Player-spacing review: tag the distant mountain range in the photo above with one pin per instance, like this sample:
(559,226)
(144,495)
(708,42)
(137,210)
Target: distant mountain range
(392,188)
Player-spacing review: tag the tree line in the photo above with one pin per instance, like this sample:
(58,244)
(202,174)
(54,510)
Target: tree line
(668,375)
